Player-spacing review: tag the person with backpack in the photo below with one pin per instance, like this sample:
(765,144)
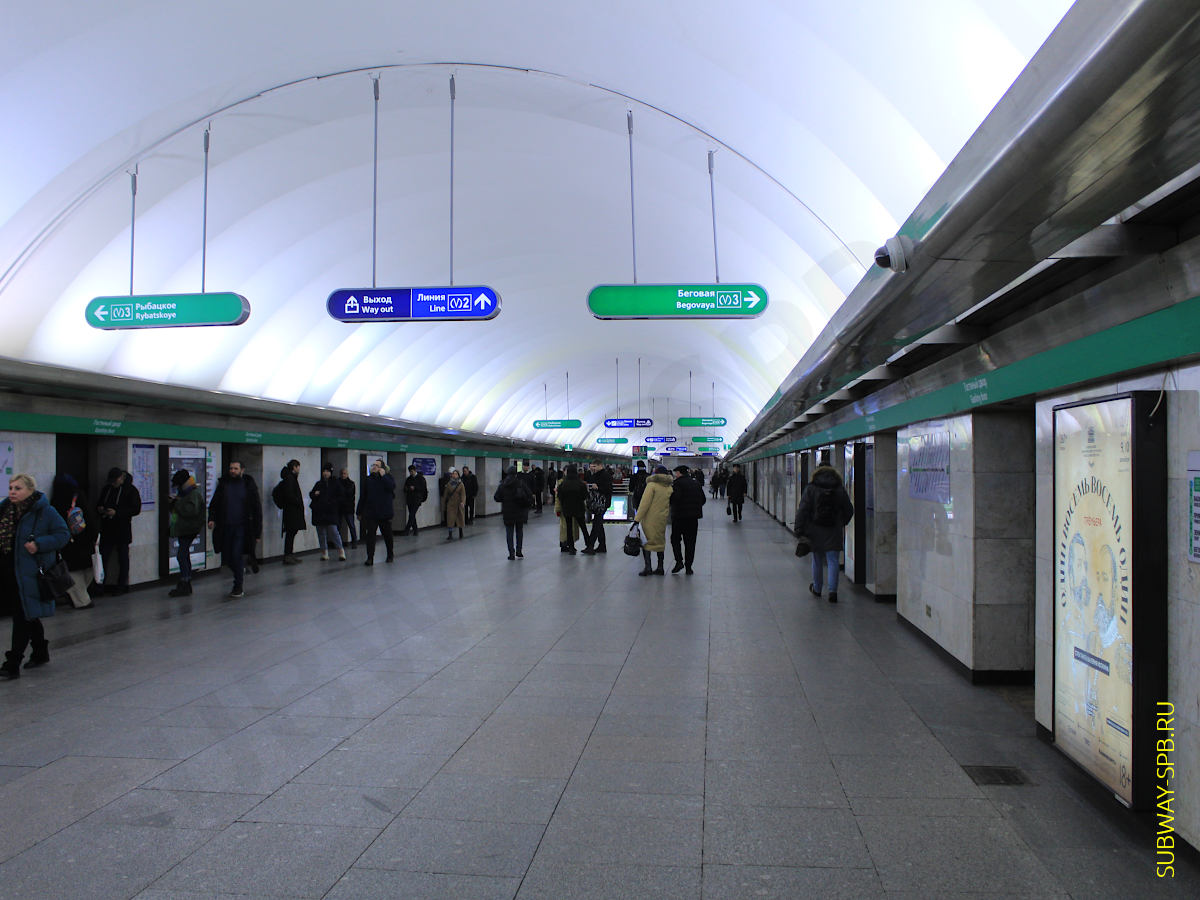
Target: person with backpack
(289,498)
(687,509)
(824,511)
(736,487)
(515,499)
(186,522)
(118,503)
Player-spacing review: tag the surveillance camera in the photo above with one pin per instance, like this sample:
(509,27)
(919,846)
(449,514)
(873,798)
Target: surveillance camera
(894,254)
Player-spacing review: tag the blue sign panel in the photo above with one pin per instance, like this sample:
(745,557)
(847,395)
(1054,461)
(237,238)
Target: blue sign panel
(418,304)
(661,440)
(425,465)
(676,449)
(629,423)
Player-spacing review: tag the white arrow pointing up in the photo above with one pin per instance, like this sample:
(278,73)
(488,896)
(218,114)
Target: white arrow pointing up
(101,312)
(752,299)
(483,301)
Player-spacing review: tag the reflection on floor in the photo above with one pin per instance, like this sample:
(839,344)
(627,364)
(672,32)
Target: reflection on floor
(457,725)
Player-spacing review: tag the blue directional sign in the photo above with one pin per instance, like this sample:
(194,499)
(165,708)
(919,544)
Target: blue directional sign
(661,440)
(628,423)
(676,449)
(417,304)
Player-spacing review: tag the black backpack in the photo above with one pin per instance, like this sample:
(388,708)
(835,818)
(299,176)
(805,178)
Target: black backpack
(825,510)
(278,495)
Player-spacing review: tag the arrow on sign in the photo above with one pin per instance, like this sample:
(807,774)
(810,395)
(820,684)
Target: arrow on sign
(754,298)
(483,302)
(101,312)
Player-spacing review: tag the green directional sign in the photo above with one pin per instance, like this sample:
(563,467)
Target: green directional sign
(677,301)
(617,440)
(703,423)
(167,311)
(708,440)
(557,423)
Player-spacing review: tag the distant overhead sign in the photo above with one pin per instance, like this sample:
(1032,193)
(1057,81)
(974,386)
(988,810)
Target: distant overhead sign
(628,423)
(417,304)
(707,440)
(662,439)
(717,422)
(675,449)
(674,301)
(167,311)
(608,440)
(557,423)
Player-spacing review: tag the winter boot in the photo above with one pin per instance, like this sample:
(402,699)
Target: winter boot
(659,570)
(40,655)
(183,589)
(647,570)
(11,668)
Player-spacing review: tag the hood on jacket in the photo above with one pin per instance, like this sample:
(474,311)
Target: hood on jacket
(660,479)
(826,476)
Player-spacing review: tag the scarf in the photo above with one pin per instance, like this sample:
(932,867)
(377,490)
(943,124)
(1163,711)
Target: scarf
(10,515)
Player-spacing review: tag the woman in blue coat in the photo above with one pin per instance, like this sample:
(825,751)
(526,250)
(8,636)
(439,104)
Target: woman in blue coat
(31,534)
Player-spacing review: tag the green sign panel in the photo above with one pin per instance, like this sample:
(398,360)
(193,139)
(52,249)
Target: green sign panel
(677,301)
(612,440)
(703,423)
(568,446)
(557,423)
(707,440)
(167,311)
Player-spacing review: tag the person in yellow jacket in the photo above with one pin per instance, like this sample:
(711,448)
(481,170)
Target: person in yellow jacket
(652,515)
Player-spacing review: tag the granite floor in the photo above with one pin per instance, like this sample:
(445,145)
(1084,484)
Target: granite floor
(456,725)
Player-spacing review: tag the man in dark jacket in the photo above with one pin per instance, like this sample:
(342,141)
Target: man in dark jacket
(471,483)
(825,510)
(376,508)
(416,492)
(637,486)
(687,509)
(289,498)
(737,492)
(235,518)
(601,480)
(572,499)
(118,503)
(346,509)
(539,488)
(515,500)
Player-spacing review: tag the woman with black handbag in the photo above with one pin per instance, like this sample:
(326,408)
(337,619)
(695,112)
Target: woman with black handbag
(31,534)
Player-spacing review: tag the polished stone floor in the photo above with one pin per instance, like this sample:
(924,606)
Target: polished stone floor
(460,726)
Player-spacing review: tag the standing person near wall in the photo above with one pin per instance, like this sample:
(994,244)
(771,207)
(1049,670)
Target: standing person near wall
(376,507)
(416,492)
(325,500)
(31,534)
(289,498)
(471,483)
(538,487)
(186,522)
(235,518)
(824,511)
(652,514)
(514,499)
(64,496)
(552,477)
(599,500)
(346,509)
(687,509)
(118,503)
(454,504)
(637,485)
(737,492)
(572,500)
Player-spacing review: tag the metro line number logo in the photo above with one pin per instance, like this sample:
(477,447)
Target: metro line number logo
(459,302)
(121,312)
(729,299)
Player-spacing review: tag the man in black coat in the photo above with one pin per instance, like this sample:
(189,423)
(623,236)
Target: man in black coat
(376,507)
(118,503)
(346,508)
(235,519)
(290,498)
(471,482)
(736,488)
(637,487)
(824,511)
(416,492)
(601,478)
(687,509)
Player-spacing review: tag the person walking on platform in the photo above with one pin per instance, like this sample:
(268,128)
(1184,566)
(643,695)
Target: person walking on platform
(454,504)
(824,511)
(552,477)
(737,492)
(515,500)
(652,515)
(598,501)
(186,522)
(325,500)
(416,492)
(235,519)
(471,482)
(376,507)
(64,497)
(538,487)
(572,498)
(346,500)
(687,509)
(637,485)
(31,534)
(118,503)
(289,498)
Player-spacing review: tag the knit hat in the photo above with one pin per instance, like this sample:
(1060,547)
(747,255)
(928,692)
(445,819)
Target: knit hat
(180,478)
(683,469)
(661,470)
(114,472)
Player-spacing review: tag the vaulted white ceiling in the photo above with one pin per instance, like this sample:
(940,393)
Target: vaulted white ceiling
(828,122)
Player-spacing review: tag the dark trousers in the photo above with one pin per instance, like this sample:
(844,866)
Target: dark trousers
(737,509)
(108,544)
(583,532)
(368,534)
(346,525)
(289,542)
(684,530)
(184,557)
(517,528)
(231,553)
(537,500)
(597,541)
(470,510)
(411,524)
(25,631)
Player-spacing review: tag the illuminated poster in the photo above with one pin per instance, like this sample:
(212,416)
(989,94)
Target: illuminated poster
(929,466)
(1093,631)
